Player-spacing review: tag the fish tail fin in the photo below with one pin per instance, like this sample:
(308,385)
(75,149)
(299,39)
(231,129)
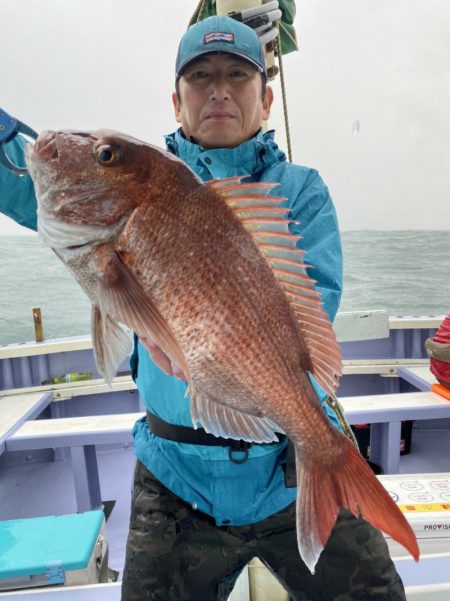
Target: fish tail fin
(350,483)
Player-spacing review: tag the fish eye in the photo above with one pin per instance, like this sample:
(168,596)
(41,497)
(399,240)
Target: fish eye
(107,154)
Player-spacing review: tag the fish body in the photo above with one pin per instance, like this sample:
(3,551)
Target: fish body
(210,274)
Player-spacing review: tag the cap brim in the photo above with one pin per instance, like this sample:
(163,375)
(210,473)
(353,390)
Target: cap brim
(191,59)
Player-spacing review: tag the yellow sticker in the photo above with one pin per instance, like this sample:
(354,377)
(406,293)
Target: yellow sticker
(416,508)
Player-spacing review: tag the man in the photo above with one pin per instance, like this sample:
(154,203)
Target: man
(201,510)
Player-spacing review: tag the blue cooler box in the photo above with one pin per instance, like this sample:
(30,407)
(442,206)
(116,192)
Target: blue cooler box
(54,550)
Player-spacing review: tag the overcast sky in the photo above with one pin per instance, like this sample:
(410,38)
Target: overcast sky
(368,92)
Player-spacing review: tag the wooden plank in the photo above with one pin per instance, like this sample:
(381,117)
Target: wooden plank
(38,325)
(74,431)
(98,429)
(382,408)
(48,347)
(94,387)
(16,409)
(81,388)
(419,376)
(383,367)
(410,322)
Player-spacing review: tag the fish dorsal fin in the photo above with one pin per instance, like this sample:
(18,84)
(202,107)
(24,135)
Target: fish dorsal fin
(122,297)
(228,422)
(268,224)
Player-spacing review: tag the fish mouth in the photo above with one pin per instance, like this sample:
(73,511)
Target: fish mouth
(45,148)
(78,246)
(71,252)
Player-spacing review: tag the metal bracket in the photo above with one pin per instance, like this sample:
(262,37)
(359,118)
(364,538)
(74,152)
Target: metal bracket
(54,573)
(9,128)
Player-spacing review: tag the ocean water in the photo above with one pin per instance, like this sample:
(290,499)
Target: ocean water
(403,272)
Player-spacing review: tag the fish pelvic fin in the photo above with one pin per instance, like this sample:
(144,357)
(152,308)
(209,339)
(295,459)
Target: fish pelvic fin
(222,420)
(322,491)
(122,298)
(270,227)
(111,344)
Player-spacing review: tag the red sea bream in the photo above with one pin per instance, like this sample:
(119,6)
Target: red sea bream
(210,275)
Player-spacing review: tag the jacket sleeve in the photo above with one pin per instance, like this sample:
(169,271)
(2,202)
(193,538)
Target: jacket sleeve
(17,197)
(321,240)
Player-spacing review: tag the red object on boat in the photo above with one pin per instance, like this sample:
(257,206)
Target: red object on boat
(443,333)
(441,371)
(438,349)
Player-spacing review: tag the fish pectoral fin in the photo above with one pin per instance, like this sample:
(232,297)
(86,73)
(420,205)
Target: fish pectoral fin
(349,483)
(222,420)
(123,297)
(110,342)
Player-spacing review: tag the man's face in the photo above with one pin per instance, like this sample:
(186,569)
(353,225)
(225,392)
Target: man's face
(220,103)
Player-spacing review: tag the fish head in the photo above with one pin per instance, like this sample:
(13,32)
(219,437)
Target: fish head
(87,184)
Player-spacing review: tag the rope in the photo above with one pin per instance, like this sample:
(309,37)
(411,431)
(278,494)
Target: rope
(283,94)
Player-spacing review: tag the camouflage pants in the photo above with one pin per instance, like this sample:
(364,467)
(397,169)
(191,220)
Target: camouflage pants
(177,554)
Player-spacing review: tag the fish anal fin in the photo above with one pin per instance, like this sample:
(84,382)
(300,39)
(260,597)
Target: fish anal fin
(227,422)
(349,482)
(124,299)
(111,344)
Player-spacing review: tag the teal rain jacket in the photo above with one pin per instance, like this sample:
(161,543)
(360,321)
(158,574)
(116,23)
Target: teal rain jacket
(203,476)
(17,198)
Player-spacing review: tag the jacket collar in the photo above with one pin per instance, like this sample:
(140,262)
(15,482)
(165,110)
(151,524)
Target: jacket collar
(248,158)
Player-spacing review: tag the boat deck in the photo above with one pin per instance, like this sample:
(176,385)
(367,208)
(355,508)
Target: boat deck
(38,482)
(24,487)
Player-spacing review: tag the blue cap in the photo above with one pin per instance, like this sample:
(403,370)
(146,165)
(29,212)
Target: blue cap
(220,34)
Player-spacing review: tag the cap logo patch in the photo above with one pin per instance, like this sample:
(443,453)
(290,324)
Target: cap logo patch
(218,36)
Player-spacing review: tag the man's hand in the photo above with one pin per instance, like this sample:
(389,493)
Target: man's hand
(262,19)
(162,360)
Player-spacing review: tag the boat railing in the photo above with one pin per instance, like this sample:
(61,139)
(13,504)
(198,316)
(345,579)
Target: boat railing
(349,326)
(371,342)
